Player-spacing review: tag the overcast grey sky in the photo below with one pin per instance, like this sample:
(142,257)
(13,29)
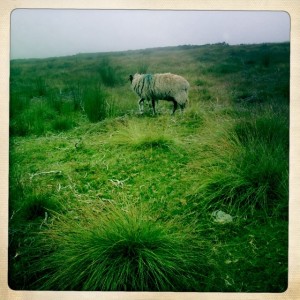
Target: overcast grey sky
(39,33)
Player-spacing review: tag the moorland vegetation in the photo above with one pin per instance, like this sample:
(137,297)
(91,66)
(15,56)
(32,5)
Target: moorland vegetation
(103,198)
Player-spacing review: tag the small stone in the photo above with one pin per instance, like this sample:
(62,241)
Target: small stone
(221,217)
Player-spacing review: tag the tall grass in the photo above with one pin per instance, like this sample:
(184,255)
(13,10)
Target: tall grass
(36,119)
(98,104)
(95,104)
(248,169)
(119,250)
(107,72)
(18,103)
(42,116)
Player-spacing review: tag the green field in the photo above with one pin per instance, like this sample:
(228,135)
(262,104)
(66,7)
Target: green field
(103,198)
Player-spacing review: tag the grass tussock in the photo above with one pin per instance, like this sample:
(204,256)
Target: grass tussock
(142,134)
(248,169)
(119,250)
(95,104)
(37,206)
(108,73)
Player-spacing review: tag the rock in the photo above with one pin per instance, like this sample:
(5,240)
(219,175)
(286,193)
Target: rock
(221,217)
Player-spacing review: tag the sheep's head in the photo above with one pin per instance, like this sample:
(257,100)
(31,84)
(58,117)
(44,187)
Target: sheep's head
(131,78)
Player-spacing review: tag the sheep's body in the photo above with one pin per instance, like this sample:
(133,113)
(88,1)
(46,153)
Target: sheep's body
(156,87)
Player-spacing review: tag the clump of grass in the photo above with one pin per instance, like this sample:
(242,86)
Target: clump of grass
(36,205)
(269,127)
(252,185)
(64,119)
(27,202)
(43,115)
(18,103)
(95,104)
(63,123)
(247,171)
(145,134)
(33,120)
(265,140)
(107,72)
(123,250)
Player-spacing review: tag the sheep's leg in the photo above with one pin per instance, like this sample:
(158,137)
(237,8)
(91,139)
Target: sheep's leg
(175,106)
(141,105)
(182,106)
(153,106)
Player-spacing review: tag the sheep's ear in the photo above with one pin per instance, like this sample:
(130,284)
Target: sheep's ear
(130,78)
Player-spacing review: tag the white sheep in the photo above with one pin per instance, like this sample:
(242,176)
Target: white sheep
(156,87)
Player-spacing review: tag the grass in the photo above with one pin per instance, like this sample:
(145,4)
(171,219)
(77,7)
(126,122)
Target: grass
(246,166)
(119,201)
(244,178)
(120,249)
(145,134)
(95,105)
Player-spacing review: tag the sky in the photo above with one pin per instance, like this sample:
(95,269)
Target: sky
(41,33)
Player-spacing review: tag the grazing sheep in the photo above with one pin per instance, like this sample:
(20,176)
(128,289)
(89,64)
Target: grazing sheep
(156,87)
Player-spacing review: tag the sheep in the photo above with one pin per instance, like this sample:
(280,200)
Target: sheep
(166,86)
